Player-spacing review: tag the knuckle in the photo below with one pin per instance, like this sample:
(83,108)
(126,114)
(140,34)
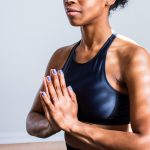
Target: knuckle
(53,97)
(57,88)
(55,77)
(50,86)
(63,86)
(49,83)
(49,103)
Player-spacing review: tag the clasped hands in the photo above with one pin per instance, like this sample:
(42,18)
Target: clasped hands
(59,102)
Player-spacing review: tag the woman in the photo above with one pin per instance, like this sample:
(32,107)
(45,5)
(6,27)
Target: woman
(110,79)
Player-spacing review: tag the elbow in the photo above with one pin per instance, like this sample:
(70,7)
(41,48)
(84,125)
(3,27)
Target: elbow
(29,128)
(36,126)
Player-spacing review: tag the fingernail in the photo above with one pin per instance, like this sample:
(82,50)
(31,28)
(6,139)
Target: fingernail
(70,87)
(43,94)
(48,78)
(54,71)
(60,71)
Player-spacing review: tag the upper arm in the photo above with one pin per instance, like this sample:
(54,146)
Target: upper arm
(56,62)
(137,79)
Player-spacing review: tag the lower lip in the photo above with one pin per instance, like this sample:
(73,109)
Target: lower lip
(73,13)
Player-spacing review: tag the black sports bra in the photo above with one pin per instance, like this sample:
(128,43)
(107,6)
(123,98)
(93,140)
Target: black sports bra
(98,101)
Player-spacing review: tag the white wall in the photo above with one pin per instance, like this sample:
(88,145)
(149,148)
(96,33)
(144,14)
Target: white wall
(30,31)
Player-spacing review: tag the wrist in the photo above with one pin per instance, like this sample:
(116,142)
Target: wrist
(74,127)
(69,126)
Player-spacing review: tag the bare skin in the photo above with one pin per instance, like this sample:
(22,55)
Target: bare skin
(38,123)
(127,70)
(115,66)
(114,77)
(92,137)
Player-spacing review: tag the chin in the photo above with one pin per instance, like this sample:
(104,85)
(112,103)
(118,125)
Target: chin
(79,22)
(76,23)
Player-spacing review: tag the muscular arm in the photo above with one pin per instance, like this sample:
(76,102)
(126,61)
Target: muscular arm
(36,122)
(37,125)
(137,79)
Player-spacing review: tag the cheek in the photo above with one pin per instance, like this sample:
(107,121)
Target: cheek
(90,5)
(92,9)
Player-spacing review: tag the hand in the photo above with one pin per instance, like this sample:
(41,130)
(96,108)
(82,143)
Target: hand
(52,123)
(61,102)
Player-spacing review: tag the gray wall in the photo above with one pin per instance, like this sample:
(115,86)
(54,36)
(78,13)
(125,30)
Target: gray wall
(30,31)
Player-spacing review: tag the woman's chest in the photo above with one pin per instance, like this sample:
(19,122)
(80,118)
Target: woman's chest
(97,101)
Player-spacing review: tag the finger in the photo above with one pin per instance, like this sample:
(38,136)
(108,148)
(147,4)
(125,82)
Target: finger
(51,89)
(46,87)
(45,110)
(47,101)
(72,94)
(55,81)
(62,83)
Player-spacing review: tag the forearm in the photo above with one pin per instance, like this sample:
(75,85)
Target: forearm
(78,143)
(37,125)
(108,139)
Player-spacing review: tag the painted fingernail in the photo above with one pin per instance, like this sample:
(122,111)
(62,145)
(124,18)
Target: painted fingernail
(43,94)
(70,87)
(54,71)
(48,78)
(60,71)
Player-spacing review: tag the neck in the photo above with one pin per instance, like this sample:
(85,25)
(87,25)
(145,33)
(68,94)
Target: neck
(95,33)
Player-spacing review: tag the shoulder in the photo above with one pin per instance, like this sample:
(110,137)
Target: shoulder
(134,58)
(130,52)
(61,54)
(59,57)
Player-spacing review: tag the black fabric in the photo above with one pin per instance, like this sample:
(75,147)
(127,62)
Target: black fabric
(70,148)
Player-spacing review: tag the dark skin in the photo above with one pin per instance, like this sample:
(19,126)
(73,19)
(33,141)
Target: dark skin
(127,70)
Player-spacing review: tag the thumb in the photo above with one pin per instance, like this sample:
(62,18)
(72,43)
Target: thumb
(71,93)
